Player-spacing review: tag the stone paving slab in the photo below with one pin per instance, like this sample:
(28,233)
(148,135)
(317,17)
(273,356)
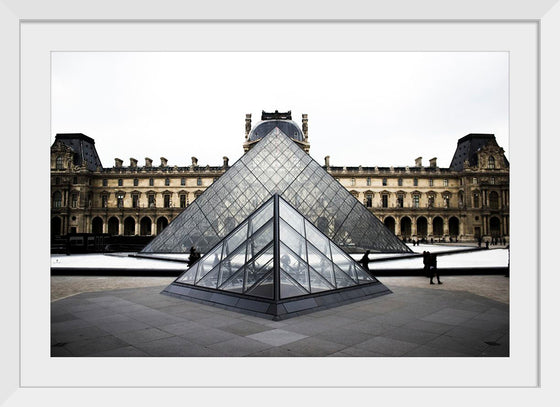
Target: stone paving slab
(417,320)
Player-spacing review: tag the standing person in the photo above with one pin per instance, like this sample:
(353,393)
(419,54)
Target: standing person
(193,256)
(364,261)
(479,241)
(434,270)
(426,261)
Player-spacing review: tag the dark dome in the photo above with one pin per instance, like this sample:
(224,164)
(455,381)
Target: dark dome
(288,127)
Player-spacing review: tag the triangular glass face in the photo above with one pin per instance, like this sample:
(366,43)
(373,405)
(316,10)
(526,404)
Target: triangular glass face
(276,165)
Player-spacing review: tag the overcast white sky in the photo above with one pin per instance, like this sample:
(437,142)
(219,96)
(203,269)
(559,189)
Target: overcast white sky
(365,108)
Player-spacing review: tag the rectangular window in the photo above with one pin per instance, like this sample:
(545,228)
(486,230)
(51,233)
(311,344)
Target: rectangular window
(151,182)
(135,201)
(167,182)
(446,201)
(74,201)
(199,181)
(120,200)
(400,201)
(369,200)
(475,180)
(151,201)
(385,200)
(384,182)
(415,182)
(104,182)
(416,201)
(104,201)
(445,182)
(135,182)
(353,181)
(120,182)
(475,201)
(183,181)
(368,181)
(431,182)
(166,201)
(183,201)
(492,180)
(400,182)
(430,201)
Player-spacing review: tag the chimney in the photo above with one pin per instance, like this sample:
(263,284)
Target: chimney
(304,125)
(133,162)
(118,162)
(148,162)
(194,161)
(433,162)
(163,161)
(226,162)
(247,125)
(328,161)
(418,162)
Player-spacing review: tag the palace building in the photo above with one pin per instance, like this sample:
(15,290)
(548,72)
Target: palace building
(462,202)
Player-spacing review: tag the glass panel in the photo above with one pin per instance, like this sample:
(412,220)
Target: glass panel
(321,264)
(235,240)
(363,277)
(263,259)
(317,239)
(235,283)
(294,266)
(344,262)
(342,279)
(261,217)
(258,241)
(265,288)
(318,283)
(211,279)
(294,241)
(232,263)
(288,287)
(253,274)
(208,262)
(189,276)
(291,217)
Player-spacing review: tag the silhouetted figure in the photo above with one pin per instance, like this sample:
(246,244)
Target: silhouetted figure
(433,268)
(426,261)
(364,261)
(486,243)
(479,241)
(193,256)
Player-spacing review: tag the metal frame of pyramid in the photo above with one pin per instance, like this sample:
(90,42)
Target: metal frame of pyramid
(276,264)
(276,165)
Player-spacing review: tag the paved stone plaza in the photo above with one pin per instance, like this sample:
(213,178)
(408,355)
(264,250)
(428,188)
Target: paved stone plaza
(127,316)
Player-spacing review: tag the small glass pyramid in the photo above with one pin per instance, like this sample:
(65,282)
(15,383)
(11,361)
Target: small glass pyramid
(276,165)
(273,257)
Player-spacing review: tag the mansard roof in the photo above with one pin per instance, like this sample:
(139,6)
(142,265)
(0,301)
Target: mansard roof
(83,147)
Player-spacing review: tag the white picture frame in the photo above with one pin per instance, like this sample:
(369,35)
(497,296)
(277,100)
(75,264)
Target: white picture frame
(544,14)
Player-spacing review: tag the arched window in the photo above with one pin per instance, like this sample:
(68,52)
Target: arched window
(59,164)
(491,163)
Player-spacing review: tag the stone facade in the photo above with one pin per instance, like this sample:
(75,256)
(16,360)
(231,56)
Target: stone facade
(467,200)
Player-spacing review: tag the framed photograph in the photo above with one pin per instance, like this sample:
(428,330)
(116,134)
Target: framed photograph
(32,31)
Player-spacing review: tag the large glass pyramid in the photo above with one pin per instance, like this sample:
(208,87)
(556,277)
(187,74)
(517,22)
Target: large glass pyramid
(276,165)
(276,264)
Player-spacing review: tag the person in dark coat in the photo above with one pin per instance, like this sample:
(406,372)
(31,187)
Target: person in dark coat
(433,269)
(364,261)
(426,261)
(193,256)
